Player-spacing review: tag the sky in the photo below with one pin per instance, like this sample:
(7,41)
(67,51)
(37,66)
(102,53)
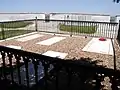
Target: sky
(79,6)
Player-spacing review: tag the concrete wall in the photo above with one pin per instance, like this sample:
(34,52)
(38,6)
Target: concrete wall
(12,17)
(80,17)
(101,18)
(58,16)
(98,18)
(118,18)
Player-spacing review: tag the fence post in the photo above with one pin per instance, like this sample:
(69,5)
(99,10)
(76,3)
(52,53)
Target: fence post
(71,30)
(118,36)
(47,17)
(36,28)
(2,28)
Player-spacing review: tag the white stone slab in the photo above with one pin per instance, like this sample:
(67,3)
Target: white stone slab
(14,47)
(51,40)
(103,47)
(55,54)
(31,37)
(15,37)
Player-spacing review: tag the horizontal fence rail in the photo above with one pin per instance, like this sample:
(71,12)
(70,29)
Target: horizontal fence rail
(71,27)
(35,71)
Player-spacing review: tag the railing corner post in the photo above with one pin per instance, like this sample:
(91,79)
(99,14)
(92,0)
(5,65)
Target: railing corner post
(36,28)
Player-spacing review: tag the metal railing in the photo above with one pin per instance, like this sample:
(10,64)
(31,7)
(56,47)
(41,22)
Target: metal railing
(10,29)
(27,70)
(75,27)
(71,27)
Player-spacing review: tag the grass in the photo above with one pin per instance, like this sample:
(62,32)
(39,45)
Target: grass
(15,24)
(78,29)
(12,33)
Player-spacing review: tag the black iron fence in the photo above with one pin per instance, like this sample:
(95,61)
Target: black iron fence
(71,27)
(14,28)
(85,28)
(25,70)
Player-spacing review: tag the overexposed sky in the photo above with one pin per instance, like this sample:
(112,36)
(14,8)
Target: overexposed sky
(80,6)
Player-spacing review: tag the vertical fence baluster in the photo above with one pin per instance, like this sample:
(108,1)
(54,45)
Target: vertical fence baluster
(45,65)
(56,70)
(58,26)
(102,27)
(87,28)
(89,25)
(10,56)
(4,66)
(113,30)
(18,67)
(110,33)
(11,23)
(117,30)
(110,28)
(71,29)
(101,31)
(113,82)
(106,29)
(118,35)
(69,77)
(52,26)
(26,67)
(82,28)
(97,28)
(98,82)
(78,27)
(35,62)
(77,24)
(3,33)
(92,24)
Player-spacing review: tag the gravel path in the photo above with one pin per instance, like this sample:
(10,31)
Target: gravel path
(71,45)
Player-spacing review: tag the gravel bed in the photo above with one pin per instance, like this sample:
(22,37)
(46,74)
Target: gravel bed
(71,45)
